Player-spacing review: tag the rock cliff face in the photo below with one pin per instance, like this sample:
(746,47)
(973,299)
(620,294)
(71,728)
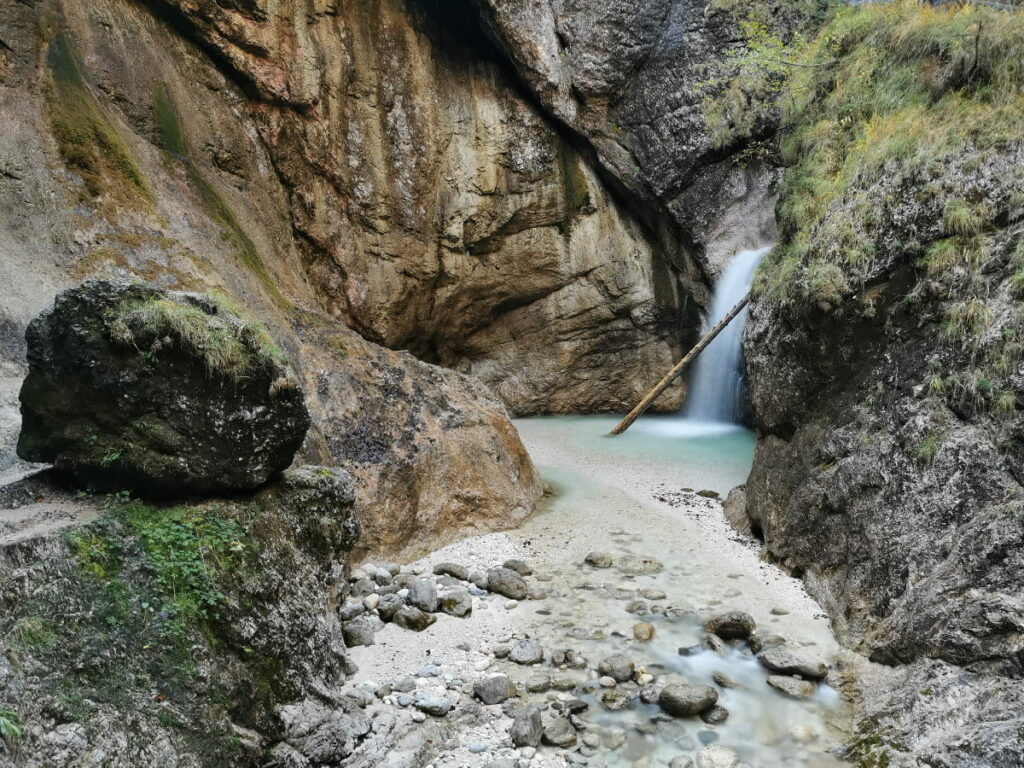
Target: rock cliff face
(887,380)
(437,210)
(129,151)
(139,635)
(630,78)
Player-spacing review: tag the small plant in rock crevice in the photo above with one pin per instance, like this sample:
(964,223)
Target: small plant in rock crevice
(10,726)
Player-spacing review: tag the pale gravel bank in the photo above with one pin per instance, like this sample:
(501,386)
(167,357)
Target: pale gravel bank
(623,497)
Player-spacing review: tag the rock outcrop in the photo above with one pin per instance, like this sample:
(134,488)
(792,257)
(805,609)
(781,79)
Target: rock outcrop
(437,210)
(887,380)
(631,78)
(132,387)
(145,635)
(184,189)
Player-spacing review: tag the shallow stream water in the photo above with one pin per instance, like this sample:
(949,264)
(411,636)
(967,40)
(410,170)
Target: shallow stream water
(625,495)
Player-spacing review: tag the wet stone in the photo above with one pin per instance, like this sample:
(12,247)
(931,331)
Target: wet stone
(617,667)
(758,643)
(683,700)
(716,756)
(715,716)
(527,652)
(734,625)
(791,686)
(643,632)
(614,699)
(714,643)
(599,559)
(787,661)
(538,683)
(723,680)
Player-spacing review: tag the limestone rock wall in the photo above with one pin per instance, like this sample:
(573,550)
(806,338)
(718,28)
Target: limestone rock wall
(437,210)
(127,152)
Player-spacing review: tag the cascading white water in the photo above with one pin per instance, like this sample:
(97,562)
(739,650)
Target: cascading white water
(716,385)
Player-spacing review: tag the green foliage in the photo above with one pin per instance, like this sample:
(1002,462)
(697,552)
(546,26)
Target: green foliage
(188,549)
(88,142)
(926,450)
(899,89)
(227,347)
(32,632)
(96,551)
(10,726)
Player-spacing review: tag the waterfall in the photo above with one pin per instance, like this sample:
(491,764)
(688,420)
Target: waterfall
(716,385)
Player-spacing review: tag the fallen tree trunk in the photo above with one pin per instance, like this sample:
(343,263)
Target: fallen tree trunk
(679,367)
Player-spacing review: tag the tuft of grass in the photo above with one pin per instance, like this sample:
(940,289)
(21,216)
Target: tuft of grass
(88,142)
(895,90)
(926,450)
(959,218)
(10,726)
(228,347)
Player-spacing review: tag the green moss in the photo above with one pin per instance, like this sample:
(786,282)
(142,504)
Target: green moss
(899,89)
(227,347)
(174,142)
(188,549)
(574,181)
(88,143)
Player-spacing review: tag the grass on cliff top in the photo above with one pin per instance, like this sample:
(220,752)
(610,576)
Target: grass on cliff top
(889,88)
(88,142)
(227,347)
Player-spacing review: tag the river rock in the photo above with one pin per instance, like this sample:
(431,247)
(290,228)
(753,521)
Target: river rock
(413,619)
(494,689)
(758,642)
(715,716)
(423,595)
(643,632)
(618,667)
(714,643)
(791,686)
(506,582)
(683,700)
(388,606)
(717,756)
(162,392)
(458,603)
(432,704)
(558,732)
(527,727)
(452,569)
(787,661)
(614,699)
(538,683)
(599,559)
(527,652)
(723,680)
(734,625)
(360,630)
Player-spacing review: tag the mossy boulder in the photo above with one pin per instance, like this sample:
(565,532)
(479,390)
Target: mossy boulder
(161,392)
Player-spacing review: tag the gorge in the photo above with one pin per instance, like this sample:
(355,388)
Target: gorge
(320,312)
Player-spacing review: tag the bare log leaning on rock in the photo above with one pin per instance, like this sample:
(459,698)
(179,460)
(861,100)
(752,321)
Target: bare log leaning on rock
(679,367)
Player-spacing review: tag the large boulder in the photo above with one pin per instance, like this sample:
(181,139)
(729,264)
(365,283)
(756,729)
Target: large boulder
(131,386)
